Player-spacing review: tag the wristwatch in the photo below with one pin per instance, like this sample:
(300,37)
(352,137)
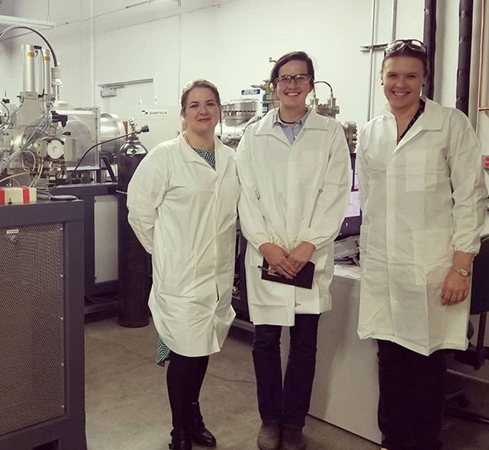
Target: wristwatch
(463,272)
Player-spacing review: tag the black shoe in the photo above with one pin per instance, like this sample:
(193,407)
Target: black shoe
(181,439)
(200,434)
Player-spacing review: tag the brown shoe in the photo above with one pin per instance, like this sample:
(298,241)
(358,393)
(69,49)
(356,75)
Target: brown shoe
(269,436)
(293,438)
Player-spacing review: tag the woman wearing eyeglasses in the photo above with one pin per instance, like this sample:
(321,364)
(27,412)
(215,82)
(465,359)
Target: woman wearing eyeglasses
(294,169)
(423,200)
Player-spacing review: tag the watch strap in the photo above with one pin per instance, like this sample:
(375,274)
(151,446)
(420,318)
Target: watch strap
(463,272)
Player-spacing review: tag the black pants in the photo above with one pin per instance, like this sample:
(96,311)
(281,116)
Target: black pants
(412,390)
(287,403)
(184,379)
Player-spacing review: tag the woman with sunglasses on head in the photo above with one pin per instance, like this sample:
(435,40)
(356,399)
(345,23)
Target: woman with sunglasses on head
(423,199)
(295,175)
(182,204)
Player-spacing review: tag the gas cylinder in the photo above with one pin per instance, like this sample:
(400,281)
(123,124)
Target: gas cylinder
(134,261)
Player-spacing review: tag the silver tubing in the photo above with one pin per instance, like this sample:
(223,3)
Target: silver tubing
(29,59)
(394,21)
(46,67)
(370,87)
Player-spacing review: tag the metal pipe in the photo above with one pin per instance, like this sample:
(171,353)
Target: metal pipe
(429,38)
(29,69)
(464,52)
(370,88)
(46,67)
(481,60)
(394,20)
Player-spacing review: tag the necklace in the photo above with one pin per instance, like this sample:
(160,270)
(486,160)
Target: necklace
(195,148)
(288,123)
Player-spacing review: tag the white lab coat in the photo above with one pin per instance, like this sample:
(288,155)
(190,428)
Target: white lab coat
(292,193)
(184,214)
(422,199)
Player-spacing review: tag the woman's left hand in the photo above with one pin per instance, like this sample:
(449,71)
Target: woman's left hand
(455,288)
(301,255)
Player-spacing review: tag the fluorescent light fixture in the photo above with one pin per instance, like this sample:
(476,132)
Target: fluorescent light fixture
(41,24)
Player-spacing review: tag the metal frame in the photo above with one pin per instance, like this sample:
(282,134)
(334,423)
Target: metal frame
(68,431)
(88,192)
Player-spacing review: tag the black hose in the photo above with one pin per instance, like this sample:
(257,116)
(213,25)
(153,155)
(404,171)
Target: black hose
(464,53)
(25,27)
(429,38)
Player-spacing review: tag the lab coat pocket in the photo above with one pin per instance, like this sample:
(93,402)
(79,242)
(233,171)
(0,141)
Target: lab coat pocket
(421,174)
(178,272)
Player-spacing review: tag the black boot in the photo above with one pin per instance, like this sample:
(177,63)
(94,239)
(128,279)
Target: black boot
(181,439)
(200,434)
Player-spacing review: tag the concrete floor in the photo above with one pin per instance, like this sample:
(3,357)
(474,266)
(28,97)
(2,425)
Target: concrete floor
(127,406)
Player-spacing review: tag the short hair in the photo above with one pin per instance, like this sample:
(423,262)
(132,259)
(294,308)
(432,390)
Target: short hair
(292,56)
(198,84)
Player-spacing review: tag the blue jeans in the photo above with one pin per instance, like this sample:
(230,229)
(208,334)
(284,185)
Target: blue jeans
(287,402)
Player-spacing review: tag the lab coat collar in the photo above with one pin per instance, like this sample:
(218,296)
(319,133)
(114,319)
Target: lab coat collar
(223,157)
(430,120)
(189,155)
(265,125)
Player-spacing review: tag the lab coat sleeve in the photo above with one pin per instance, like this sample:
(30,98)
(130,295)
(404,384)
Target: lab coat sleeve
(362,171)
(469,191)
(334,194)
(145,194)
(251,219)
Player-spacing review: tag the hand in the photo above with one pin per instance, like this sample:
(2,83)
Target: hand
(455,288)
(277,259)
(301,255)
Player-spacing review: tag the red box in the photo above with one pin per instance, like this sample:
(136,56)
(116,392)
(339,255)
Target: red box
(18,194)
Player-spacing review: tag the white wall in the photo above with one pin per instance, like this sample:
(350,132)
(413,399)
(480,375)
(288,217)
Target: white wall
(227,41)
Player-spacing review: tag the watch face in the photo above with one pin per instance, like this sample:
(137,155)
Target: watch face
(463,272)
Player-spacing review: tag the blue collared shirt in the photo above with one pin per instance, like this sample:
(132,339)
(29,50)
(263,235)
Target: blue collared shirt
(291,132)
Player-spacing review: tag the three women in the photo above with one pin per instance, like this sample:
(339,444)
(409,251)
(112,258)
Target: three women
(422,196)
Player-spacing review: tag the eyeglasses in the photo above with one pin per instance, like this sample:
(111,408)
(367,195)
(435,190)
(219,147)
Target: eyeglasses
(412,44)
(300,78)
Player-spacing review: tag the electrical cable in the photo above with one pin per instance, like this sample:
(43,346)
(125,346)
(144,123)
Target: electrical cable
(33,159)
(8,122)
(25,27)
(143,129)
(37,177)
(14,176)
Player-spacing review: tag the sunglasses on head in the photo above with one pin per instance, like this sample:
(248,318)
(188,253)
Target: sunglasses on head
(412,44)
